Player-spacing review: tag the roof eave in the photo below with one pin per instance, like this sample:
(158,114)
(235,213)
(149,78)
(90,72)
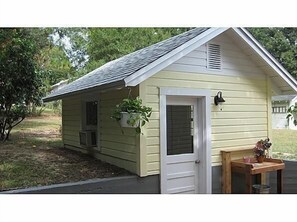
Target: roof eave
(172,56)
(267,57)
(101,88)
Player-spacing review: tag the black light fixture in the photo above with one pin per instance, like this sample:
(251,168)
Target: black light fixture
(218,98)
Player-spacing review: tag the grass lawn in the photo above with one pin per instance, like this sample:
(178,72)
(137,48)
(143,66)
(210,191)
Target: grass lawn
(284,144)
(35,156)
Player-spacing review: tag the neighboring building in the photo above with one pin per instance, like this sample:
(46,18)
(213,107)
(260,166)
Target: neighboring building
(280,105)
(182,74)
(59,85)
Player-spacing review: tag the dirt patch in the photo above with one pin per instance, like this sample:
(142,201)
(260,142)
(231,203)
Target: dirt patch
(35,156)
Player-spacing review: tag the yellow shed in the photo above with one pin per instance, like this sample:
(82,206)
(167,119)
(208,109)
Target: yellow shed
(179,78)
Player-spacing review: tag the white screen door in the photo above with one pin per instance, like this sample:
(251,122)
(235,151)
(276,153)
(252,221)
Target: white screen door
(182,158)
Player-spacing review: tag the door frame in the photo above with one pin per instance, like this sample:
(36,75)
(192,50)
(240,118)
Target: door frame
(204,115)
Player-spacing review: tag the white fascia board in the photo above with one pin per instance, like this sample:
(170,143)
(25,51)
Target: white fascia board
(266,56)
(172,56)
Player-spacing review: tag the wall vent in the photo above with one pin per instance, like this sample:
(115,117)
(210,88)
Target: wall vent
(214,58)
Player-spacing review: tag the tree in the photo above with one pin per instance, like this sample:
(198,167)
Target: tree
(281,43)
(54,65)
(19,82)
(106,44)
(74,43)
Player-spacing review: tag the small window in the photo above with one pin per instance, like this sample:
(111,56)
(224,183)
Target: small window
(91,113)
(214,60)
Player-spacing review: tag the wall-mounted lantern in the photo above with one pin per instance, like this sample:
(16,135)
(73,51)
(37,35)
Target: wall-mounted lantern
(218,98)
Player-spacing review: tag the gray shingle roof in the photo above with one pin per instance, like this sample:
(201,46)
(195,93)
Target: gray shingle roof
(119,69)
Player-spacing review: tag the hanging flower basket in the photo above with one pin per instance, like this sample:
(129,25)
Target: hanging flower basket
(130,120)
(132,114)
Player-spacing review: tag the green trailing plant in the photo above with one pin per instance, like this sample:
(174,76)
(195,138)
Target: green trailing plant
(292,113)
(138,114)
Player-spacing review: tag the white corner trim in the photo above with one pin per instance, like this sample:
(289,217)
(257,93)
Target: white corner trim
(266,56)
(163,143)
(172,56)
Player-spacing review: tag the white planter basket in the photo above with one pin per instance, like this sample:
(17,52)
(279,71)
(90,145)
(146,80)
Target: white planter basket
(124,118)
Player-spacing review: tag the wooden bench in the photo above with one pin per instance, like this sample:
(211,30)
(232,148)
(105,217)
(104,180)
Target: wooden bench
(227,155)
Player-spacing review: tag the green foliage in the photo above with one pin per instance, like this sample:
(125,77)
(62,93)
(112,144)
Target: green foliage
(281,43)
(19,83)
(107,44)
(74,43)
(137,112)
(292,113)
(54,65)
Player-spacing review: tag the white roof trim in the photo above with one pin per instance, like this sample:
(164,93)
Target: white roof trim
(268,58)
(172,56)
(201,39)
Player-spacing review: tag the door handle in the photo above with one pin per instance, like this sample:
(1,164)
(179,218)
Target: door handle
(197,161)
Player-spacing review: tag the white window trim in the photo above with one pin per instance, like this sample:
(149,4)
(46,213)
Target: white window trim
(204,106)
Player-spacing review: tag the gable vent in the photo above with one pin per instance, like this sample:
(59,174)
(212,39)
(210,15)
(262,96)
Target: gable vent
(214,60)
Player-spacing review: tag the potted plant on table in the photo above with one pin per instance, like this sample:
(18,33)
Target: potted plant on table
(292,113)
(131,113)
(261,149)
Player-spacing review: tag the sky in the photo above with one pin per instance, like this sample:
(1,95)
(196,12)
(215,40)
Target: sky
(147,13)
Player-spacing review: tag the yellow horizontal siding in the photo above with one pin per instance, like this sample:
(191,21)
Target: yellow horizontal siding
(120,138)
(153,157)
(153,149)
(71,119)
(153,124)
(153,132)
(240,123)
(237,135)
(203,85)
(117,148)
(153,141)
(119,154)
(237,142)
(153,166)
(152,90)
(241,108)
(238,115)
(239,128)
